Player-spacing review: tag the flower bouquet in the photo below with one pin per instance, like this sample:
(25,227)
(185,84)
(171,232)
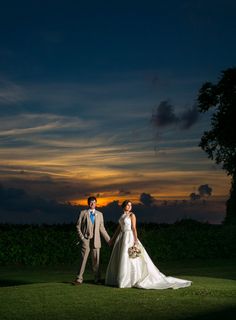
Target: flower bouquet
(134,252)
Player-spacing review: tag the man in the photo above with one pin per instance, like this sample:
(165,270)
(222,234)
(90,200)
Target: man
(89,226)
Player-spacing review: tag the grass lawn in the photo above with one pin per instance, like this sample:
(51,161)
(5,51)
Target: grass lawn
(46,293)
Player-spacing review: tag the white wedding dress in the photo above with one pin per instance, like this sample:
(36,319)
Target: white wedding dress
(140,272)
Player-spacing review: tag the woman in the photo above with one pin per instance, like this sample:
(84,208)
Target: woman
(125,271)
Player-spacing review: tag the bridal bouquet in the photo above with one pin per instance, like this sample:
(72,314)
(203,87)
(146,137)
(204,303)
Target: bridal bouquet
(134,252)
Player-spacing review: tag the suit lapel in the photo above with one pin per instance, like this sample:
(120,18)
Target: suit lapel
(96,218)
(89,222)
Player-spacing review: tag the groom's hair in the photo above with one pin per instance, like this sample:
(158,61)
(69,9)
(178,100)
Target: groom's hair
(91,199)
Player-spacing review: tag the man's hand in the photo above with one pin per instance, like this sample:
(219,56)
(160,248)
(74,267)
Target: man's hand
(110,242)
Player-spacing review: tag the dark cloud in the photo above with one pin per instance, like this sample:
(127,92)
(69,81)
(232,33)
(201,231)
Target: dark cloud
(194,196)
(123,192)
(189,117)
(147,199)
(47,187)
(170,212)
(17,206)
(205,190)
(112,211)
(165,115)
(213,212)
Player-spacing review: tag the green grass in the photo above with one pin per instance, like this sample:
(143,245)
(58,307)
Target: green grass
(46,293)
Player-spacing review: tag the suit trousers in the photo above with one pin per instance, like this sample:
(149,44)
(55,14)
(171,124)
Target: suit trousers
(87,247)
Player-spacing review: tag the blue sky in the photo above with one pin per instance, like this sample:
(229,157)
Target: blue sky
(80,83)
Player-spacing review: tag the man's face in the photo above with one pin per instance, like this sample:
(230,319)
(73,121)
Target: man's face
(92,204)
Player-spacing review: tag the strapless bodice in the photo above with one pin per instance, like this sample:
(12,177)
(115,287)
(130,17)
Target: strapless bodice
(125,223)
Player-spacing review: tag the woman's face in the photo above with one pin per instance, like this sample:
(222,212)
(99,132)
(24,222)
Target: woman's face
(128,207)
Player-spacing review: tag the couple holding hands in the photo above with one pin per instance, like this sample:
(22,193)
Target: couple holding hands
(129,265)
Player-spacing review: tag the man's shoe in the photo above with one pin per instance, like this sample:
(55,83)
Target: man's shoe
(76,282)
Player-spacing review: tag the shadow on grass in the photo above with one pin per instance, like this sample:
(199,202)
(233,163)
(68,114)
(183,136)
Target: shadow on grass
(100,283)
(12,283)
(221,269)
(226,313)
(216,275)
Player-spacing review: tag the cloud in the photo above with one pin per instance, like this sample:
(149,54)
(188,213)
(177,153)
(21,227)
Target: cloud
(194,196)
(17,206)
(205,190)
(212,212)
(123,192)
(189,117)
(26,123)
(147,199)
(170,211)
(11,93)
(165,116)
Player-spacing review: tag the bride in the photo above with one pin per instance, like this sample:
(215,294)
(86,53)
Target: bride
(130,265)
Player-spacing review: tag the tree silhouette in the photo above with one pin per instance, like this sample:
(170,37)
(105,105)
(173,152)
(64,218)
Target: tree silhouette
(220,141)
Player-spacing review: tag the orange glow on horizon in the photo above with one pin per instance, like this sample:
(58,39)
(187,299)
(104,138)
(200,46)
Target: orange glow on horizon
(104,201)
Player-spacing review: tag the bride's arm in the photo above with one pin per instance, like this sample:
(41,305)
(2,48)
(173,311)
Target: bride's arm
(134,229)
(115,235)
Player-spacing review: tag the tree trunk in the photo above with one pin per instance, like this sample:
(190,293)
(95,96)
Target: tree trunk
(231,204)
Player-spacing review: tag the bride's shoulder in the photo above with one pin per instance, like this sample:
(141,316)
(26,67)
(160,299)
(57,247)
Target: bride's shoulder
(122,216)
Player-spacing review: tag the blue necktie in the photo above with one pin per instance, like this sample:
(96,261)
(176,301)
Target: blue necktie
(92,217)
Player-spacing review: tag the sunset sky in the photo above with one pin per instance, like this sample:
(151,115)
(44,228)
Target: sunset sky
(100,98)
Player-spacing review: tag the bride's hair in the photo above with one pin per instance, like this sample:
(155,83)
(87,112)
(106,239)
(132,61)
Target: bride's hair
(124,204)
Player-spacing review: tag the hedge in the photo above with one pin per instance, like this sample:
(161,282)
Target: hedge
(42,245)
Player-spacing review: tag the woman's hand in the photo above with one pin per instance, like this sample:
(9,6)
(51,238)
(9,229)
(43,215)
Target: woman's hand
(135,243)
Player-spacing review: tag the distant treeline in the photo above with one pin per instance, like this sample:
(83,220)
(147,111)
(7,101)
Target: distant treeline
(41,245)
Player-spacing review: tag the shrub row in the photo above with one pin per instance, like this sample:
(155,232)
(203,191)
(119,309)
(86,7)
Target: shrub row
(56,244)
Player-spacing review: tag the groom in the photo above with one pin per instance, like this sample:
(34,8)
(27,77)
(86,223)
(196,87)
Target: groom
(89,226)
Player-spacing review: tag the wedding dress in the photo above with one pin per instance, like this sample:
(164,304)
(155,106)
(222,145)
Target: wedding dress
(140,272)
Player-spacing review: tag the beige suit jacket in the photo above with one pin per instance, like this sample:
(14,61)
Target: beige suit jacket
(86,229)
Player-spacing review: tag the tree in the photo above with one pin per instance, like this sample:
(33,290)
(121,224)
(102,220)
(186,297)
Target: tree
(220,141)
